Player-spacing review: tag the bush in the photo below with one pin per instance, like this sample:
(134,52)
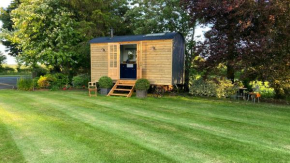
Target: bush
(281,88)
(35,80)
(59,80)
(7,70)
(142,84)
(81,80)
(263,88)
(212,88)
(25,84)
(43,82)
(52,81)
(105,82)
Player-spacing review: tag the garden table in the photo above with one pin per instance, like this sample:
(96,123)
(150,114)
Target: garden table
(241,93)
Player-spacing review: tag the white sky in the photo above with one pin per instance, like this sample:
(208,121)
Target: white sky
(10,60)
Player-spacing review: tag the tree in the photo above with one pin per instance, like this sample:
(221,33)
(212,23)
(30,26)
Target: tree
(5,17)
(56,32)
(2,59)
(44,30)
(248,36)
(158,16)
(96,17)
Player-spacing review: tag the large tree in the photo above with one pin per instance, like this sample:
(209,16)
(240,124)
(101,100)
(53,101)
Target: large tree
(44,30)
(56,32)
(5,17)
(154,16)
(247,36)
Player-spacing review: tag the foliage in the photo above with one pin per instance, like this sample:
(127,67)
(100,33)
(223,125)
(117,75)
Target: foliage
(13,70)
(212,88)
(2,60)
(142,84)
(5,18)
(45,32)
(7,70)
(160,16)
(247,36)
(105,82)
(46,81)
(39,71)
(263,88)
(43,82)
(53,81)
(81,80)
(25,84)
(35,82)
(100,15)
(56,32)
(61,80)
(282,88)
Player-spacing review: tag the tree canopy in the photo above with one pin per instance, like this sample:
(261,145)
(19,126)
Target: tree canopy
(158,16)
(251,37)
(5,17)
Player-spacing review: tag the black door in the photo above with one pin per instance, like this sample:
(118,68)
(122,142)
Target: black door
(128,71)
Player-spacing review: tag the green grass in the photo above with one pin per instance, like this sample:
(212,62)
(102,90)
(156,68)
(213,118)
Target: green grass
(47,126)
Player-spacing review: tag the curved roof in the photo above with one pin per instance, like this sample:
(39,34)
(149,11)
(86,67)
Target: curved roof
(154,36)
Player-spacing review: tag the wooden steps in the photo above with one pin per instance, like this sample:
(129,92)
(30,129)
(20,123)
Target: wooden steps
(123,88)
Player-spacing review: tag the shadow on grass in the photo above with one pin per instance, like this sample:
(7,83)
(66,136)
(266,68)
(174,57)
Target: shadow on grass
(9,151)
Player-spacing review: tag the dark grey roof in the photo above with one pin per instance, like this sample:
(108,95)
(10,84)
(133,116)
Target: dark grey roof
(156,36)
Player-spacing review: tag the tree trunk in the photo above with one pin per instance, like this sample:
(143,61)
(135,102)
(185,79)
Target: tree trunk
(231,55)
(230,73)
(189,56)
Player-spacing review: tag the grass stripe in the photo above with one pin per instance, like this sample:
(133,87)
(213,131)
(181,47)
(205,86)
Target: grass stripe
(147,130)
(9,151)
(116,146)
(73,108)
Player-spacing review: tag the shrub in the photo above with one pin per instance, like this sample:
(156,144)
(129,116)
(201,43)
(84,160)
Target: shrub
(52,81)
(35,80)
(142,84)
(59,80)
(263,88)
(43,82)
(81,80)
(25,84)
(212,88)
(105,82)
(7,70)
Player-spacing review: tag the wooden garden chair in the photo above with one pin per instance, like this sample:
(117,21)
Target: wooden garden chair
(92,87)
(255,94)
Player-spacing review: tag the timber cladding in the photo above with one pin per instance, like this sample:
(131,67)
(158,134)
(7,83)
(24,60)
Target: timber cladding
(99,61)
(156,61)
(158,58)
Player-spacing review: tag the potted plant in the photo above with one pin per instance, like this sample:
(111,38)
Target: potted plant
(142,85)
(105,83)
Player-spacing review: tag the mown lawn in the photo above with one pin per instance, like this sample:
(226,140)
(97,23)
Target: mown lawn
(62,126)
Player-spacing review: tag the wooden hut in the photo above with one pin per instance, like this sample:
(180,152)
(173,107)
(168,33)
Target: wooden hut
(157,57)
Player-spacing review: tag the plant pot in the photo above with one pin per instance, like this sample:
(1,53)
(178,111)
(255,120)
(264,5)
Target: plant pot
(141,93)
(105,91)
